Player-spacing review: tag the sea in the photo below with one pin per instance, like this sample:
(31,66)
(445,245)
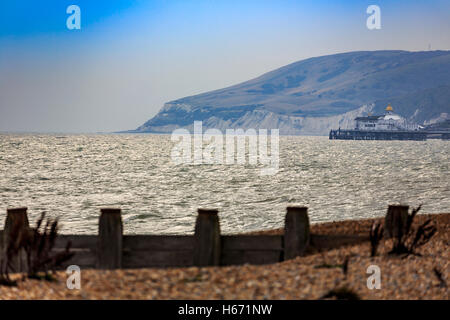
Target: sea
(71,177)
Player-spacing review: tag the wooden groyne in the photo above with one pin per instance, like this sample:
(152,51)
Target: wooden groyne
(111,249)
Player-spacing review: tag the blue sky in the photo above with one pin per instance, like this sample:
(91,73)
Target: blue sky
(129,57)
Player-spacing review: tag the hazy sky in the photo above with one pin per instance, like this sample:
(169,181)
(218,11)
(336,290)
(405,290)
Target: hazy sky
(129,57)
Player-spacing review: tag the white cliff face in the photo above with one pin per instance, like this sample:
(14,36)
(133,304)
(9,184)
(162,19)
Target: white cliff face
(323,125)
(177,106)
(261,119)
(442,117)
(291,125)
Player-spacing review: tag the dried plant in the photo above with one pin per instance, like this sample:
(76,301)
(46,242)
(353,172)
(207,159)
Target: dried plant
(375,235)
(38,244)
(342,293)
(423,234)
(438,273)
(197,278)
(327,266)
(343,266)
(411,217)
(410,239)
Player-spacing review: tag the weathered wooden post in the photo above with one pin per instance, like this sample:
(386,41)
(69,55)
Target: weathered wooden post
(296,232)
(1,243)
(207,248)
(16,227)
(110,232)
(395,221)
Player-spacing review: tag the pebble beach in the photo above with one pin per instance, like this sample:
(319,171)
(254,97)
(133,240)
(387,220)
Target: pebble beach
(314,276)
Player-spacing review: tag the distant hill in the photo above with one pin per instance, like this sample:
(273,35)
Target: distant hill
(313,95)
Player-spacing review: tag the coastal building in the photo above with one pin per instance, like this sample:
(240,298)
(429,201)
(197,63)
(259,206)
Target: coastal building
(389,121)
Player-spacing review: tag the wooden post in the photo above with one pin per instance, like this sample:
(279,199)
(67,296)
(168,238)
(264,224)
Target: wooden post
(1,244)
(395,221)
(296,232)
(16,227)
(110,232)
(207,248)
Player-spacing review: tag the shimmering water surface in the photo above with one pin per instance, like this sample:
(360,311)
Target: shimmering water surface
(73,176)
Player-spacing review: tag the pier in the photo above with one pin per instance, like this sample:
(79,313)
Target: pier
(387,135)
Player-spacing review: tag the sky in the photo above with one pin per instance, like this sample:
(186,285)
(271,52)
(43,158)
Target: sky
(130,57)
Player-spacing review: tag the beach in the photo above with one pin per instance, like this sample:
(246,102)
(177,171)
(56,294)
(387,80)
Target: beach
(312,276)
